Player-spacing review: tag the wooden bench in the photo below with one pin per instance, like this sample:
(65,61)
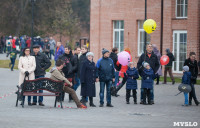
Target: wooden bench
(30,88)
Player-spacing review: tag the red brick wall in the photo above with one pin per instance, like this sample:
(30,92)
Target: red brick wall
(103,12)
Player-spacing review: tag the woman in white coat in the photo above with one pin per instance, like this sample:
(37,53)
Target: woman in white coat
(26,66)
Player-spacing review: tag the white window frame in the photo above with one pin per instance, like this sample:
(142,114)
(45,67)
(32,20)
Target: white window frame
(117,30)
(178,32)
(183,11)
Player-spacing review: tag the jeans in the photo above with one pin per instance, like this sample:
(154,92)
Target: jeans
(142,91)
(40,91)
(186,98)
(77,80)
(116,78)
(12,62)
(51,53)
(101,94)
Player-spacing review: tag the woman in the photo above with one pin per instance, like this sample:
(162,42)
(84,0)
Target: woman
(26,67)
(88,78)
(159,72)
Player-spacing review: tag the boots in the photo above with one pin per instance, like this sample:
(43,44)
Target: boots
(91,102)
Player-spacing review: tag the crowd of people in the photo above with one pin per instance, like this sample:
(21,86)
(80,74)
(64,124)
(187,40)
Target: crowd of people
(76,67)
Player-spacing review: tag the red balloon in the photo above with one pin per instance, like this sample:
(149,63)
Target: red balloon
(164,60)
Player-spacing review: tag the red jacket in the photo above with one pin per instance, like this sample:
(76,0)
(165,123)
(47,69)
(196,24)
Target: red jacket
(124,68)
(13,43)
(28,43)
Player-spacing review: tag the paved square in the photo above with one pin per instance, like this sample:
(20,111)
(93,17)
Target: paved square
(164,113)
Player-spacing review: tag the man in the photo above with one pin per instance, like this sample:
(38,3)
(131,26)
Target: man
(57,74)
(59,50)
(106,75)
(42,64)
(193,67)
(47,48)
(70,66)
(114,57)
(152,59)
(52,44)
(77,80)
(168,67)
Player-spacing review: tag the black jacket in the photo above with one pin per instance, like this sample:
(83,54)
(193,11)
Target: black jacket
(171,59)
(42,63)
(70,65)
(114,57)
(153,62)
(193,69)
(81,60)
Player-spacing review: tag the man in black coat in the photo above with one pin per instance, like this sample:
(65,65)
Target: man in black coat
(152,60)
(70,66)
(42,64)
(168,67)
(193,67)
(76,57)
(114,57)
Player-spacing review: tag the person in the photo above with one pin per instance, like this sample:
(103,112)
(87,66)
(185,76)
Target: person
(70,66)
(131,85)
(59,50)
(28,42)
(17,43)
(8,45)
(148,77)
(13,43)
(168,67)
(122,71)
(13,56)
(106,75)
(57,74)
(193,67)
(26,66)
(23,43)
(42,64)
(82,58)
(47,48)
(159,72)
(186,79)
(88,78)
(77,79)
(113,56)
(3,42)
(52,44)
(152,60)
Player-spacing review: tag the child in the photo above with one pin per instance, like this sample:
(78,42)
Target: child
(131,84)
(186,80)
(13,56)
(148,77)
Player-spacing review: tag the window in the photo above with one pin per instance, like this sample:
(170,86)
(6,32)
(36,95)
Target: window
(118,34)
(179,50)
(141,34)
(181,8)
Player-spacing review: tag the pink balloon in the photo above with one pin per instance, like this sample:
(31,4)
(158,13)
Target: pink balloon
(124,58)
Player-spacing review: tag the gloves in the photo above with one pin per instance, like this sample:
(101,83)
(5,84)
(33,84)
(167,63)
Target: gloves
(26,73)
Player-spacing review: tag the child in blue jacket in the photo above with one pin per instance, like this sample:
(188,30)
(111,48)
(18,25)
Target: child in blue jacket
(186,80)
(131,84)
(148,77)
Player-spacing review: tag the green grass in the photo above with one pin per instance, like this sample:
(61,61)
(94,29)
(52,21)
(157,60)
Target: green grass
(5,64)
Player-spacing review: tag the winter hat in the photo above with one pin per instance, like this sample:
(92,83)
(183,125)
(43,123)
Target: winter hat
(104,51)
(186,68)
(167,50)
(145,64)
(129,64)
(90,54)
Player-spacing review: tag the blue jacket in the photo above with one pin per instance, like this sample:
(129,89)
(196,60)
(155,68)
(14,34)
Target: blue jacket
(131,75)
(148,77)
(105,69)
(186,79)
(61,51)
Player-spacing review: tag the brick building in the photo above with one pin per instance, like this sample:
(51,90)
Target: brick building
(118,23)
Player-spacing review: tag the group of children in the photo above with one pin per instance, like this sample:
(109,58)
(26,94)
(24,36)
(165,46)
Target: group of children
(148,77)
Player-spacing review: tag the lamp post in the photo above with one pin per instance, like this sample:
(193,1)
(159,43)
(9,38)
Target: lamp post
(32,23)
(145,18)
